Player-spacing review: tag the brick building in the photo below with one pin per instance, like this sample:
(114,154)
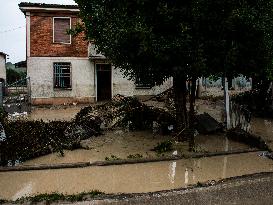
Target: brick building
(65,69)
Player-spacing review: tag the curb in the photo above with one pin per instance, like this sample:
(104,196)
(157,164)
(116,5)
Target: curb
(118,162)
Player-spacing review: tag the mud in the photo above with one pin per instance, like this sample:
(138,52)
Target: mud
(133,178)
(54,113)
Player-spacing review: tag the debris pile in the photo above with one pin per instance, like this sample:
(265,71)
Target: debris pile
(29,139)
(128,113)
(206,124)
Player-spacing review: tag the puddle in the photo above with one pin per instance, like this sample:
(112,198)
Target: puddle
(133,178)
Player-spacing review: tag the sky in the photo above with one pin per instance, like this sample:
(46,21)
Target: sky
(13,27)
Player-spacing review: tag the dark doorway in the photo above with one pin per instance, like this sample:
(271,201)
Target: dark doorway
(104,82)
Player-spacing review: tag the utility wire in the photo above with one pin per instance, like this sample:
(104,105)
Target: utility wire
(6,31)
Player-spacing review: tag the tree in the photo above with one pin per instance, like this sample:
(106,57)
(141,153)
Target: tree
(159,39)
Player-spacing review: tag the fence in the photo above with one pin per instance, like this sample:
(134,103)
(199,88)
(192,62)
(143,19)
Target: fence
(16,97)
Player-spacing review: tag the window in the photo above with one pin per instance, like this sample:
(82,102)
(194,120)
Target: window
(60,27)
(144,83)
(62,75)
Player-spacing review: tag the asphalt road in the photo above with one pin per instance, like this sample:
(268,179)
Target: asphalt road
(251,189)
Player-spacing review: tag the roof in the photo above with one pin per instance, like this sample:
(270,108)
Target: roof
(3,54)
(27,6)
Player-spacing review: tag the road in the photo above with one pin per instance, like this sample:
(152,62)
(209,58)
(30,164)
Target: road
(251,189)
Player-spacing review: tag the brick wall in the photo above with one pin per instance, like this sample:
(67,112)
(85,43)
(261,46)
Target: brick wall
(41,38)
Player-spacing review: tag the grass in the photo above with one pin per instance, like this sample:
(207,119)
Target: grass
(162,147)
(112,158)
(134,156)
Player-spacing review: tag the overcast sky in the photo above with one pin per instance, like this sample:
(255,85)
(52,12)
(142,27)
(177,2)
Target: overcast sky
(13,27)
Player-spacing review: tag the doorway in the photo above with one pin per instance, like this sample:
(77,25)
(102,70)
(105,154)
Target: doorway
(104,82)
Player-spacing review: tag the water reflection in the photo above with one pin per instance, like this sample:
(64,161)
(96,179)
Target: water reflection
(225,158)
(186,176)
(172,168)
(25,191)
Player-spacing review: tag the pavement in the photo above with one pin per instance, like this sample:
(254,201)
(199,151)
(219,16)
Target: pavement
(251,189)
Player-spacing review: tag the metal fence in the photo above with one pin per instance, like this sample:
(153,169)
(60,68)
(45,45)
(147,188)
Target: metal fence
(16,97)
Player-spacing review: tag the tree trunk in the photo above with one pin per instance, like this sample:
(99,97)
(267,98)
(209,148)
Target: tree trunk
(179,85)
(191,114)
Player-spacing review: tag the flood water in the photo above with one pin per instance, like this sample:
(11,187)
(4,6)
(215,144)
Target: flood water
(262,127)
(133,178)
(122,144)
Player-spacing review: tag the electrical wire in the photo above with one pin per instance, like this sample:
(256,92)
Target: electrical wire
(6,31)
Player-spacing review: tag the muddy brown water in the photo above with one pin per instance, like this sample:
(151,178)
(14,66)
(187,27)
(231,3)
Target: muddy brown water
(122,144)
(133,178)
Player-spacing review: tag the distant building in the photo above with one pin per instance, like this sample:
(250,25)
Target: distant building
(3,75)
(21,66)
(66,69)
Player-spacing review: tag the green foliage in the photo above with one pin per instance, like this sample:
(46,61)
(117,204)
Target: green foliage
(13,76)
(153,40)
(158,39)
(112,158)
(134,156)
(258,101)
(162,147)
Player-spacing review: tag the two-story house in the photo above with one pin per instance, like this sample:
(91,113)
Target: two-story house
(64,68)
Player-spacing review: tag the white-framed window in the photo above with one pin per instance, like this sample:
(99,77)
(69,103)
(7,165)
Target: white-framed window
(60,27)
(62,75)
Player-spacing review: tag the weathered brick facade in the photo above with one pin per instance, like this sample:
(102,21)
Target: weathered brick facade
(41,38)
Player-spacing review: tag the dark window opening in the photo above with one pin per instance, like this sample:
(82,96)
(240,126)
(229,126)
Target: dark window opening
(62,75)
(143,82)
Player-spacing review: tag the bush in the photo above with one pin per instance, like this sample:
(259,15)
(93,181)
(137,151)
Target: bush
(163,147)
